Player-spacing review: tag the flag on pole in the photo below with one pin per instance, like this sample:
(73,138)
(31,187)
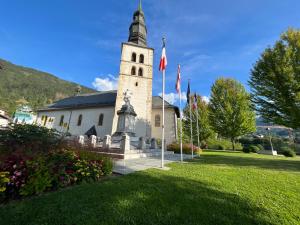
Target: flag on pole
(178,89)
(178,80)
(188,92)
(195,102)
(163,60)
(162,67)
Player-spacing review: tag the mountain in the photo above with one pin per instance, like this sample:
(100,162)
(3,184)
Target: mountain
(21,85)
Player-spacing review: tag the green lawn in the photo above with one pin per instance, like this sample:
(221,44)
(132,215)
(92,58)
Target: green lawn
(219,188)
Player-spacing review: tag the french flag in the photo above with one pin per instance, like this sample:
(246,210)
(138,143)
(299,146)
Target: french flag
(195,102)
(163,60)
(178,80)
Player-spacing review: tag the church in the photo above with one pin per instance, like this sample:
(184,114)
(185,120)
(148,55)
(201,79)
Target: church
(96,113)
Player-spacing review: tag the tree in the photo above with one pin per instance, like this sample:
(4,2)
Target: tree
(205,130)
(275,81)
(230,110)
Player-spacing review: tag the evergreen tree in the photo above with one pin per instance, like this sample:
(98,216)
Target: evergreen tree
(230,110)
(275,81)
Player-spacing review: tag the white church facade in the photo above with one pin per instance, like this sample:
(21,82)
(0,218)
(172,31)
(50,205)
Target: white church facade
(96,113)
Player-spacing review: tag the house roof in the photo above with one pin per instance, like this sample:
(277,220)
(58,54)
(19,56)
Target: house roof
(157,103)
(5,117)
(99,99)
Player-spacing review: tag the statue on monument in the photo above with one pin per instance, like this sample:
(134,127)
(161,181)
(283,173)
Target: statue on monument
(126,119)
(127,96)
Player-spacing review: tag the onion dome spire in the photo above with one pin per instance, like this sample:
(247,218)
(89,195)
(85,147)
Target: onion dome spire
(138,29)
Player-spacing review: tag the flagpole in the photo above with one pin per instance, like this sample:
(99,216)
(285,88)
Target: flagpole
(197,114)
(163,123)
(181,157)
(163,112)
(191,126)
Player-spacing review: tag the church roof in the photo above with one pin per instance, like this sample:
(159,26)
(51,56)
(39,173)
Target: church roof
(157,103)
(99,99)
(104,98)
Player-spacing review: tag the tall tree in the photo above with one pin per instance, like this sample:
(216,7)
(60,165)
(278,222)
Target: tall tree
(205,130)
(230,110)
(275,81)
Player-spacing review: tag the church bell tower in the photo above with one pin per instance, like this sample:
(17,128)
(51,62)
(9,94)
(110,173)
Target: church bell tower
(136,73)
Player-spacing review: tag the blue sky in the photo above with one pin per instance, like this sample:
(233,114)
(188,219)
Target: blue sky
(80,40)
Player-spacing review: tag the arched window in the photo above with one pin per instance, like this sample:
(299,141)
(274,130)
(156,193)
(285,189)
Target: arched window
(133,70)
(45,121)
(61,122)
(100,122)
(157,120)
(133,57)
(79,120)
(141,58)
(140,72)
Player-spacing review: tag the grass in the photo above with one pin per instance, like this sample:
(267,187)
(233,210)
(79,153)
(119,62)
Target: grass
(218,188)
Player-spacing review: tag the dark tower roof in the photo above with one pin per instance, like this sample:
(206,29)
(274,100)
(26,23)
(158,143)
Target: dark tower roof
(138,29)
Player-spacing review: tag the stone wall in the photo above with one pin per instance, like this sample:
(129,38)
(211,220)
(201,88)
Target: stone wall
(170,125)
(90,117)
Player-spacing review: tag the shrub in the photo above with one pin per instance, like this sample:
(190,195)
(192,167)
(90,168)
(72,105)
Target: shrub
(254,148)
(261,147)
(4,179)
(186,148)
(288,152)
(29,138)
(39,179)
(107,164)
(246,149)
(251,148)
(39,173)
(61,164)
(15,165)
(222,144)
(221,147)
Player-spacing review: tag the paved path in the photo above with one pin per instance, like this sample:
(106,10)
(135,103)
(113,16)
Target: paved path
(132,165)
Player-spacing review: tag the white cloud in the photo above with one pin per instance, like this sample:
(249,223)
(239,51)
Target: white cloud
(105,84)
(205,98)
(173,98)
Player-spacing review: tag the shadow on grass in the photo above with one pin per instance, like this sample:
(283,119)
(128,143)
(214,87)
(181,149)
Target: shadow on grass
(276,164)
(140,198)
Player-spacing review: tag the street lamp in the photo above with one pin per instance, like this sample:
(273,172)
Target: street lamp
(270,138)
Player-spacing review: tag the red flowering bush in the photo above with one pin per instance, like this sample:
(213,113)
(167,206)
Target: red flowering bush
(30,175)
(61,165)
(15,165)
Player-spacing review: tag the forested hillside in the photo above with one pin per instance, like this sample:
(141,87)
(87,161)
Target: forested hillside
(21,84)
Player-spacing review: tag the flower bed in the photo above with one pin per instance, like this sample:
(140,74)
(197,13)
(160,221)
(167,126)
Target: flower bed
(22,175)
(35,159)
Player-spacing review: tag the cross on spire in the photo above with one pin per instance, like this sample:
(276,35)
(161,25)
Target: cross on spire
(140,6)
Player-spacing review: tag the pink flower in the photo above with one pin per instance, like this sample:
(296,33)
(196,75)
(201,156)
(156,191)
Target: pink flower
(18,174)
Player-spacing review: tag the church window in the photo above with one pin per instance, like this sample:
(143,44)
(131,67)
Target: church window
(45,121)
(100,122)
(157,120)
(133,70)
(79,120)
(133,57)
(140,72)
(141,58)
(136,84)
(61,122)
